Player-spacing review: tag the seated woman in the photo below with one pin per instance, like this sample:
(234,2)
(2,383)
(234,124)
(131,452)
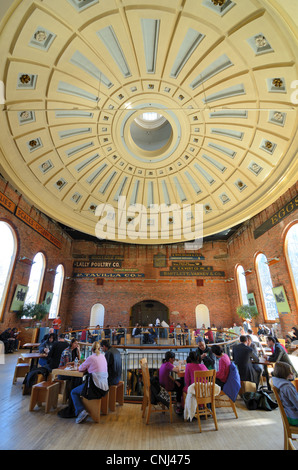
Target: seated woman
(282,376)
(223,365)
(168,381)
(193,364)
(45,347)
(96,365)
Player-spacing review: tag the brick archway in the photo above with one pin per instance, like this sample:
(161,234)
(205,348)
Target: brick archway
(147,311)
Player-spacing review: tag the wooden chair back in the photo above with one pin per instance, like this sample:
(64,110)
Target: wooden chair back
(205,395)
(147,395)
(146,378)
(288,429)
(204,386)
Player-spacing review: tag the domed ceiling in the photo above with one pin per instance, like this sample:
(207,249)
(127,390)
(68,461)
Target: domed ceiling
(168,104)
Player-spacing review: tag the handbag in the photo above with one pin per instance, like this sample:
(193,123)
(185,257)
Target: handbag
(259,400)
(163,397)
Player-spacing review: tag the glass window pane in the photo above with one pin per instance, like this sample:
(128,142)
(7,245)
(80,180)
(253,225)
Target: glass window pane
(57,289)
(242,285)
(7,256)
(35,279)
(266,287)
(292,252)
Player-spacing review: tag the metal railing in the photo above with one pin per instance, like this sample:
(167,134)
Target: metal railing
(132,354)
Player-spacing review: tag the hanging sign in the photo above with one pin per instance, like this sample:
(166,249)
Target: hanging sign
(286,210)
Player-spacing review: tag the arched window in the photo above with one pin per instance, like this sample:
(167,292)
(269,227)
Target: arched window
(57,290)
(291,253)
(35,279)
(242,287)
(8,250)
(265,283)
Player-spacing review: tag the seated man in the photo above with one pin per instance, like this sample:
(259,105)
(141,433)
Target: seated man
(54,355)
(120,333)
(243,356)
(279,353)
(114,361)
(137,331)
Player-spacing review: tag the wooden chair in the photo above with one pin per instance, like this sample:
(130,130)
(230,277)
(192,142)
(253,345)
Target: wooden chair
(223,401)
(116,395)
(147,395)
(205,394)
(96,407)
(288,429)
(21,369)
(44,392)
(291,445)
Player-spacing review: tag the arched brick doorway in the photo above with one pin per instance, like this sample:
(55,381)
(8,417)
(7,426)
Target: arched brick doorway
(147,311)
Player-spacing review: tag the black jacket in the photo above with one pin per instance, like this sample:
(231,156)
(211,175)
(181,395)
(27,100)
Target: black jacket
(114,361)
(242,356)
(54,355)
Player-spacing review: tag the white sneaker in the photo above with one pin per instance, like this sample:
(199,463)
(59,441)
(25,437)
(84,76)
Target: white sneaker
(81,416)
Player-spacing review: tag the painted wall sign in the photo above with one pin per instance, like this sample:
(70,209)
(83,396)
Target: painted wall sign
(7,203)
(286,210)
(20,214)
(192,273)
(97,264)
(186,256)
(99,257)
(191,264)
(115,275)
(126,270)
(192,268)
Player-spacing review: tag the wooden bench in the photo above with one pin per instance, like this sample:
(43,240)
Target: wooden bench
(44,392)
(116,394)
(96,407)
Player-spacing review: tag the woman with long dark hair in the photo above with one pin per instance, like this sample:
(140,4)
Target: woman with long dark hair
(169,382)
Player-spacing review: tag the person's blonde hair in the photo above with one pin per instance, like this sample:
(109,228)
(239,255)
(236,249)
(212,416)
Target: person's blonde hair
(96,348)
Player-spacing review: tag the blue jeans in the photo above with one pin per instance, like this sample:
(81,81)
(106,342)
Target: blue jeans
(75,395)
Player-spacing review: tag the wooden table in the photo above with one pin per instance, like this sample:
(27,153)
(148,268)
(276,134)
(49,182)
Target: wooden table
(31,346)
(296,384)
(34,358)
(66,372)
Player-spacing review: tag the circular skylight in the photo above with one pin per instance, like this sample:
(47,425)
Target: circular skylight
(150,120)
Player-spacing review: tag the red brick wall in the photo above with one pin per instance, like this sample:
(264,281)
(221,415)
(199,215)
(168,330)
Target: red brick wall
(243,248)
(180,295)
(29,243)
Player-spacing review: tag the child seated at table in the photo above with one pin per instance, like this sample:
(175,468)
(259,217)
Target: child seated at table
(282,376)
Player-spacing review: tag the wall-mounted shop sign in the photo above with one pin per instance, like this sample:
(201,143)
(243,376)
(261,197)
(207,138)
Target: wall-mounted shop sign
(115,275)
(286,210)
(97,264)
(196,269)
(193,273)
(99,257)
(7,203)
(186,256)
(126,270)
(20,214)
(192,265)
